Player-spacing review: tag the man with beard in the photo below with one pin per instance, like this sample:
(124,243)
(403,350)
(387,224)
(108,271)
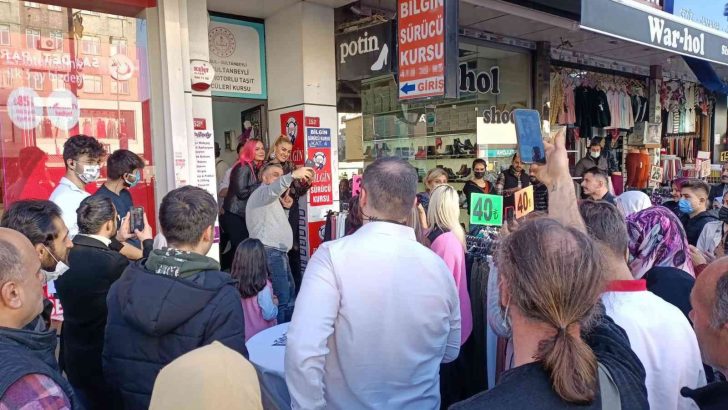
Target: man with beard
(719,190)
(595,159)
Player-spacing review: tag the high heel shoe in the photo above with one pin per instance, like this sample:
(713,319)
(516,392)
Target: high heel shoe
(382,60)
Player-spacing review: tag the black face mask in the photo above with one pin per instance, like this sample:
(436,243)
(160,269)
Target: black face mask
(479,174)
(723,213)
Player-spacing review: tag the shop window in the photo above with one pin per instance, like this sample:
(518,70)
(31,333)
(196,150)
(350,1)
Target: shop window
(31,4)
(91,45)
(6,79)
(4,35)
(93,84)
(36,80)
(119,87)
(32,38)
(57,40)
(118,46)
(57,81)
(55,8)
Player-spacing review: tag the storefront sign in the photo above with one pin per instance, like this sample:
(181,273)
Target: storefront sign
(496,126)
(237,53)
(652,3)
(365,53)
(524,201)
(24,108)
(319,151)
(199,123)
(201,74)
(63,109)
(709,14)
(483,82)
(724,156)
(313,121)
(486,210)
(428,50)
(292,126)
(645,25)
(316,232)
(204,156)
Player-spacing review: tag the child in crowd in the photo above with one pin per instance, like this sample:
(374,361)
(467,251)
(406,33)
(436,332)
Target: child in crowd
(250,269)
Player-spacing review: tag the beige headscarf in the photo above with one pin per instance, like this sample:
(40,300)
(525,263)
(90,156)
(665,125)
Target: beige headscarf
(211,377)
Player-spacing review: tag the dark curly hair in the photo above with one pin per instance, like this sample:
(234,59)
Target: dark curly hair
(81,144)
(122,162)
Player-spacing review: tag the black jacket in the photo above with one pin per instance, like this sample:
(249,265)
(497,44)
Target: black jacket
(24,352)
(694,226)
(153,319)
(716,192)
(713,396)
(471,188)
(243,181)
(83,290)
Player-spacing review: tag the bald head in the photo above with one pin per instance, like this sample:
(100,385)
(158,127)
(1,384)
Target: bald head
(709,300)
(16,252)
(21,285)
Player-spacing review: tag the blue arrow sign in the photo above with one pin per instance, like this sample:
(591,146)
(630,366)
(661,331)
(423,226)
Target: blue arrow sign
(408,87)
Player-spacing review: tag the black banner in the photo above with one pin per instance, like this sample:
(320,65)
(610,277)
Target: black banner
(366,52)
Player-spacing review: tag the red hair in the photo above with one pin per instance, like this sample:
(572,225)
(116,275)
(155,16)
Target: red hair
(247,153)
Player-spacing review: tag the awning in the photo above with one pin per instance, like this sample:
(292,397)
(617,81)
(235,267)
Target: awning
(642,24)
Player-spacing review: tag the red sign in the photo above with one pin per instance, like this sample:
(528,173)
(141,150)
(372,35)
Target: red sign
(421,39)
(315,235)
(292,126)
(313,121)
(200,123)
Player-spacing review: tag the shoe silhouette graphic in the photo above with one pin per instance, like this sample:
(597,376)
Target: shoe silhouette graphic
(382,60)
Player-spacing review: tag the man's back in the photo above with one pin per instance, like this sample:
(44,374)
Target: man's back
(663,340)
(155,318)
(376,315)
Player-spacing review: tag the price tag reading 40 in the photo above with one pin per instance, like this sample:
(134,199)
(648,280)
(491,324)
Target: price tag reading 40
(524,201)
(486,209)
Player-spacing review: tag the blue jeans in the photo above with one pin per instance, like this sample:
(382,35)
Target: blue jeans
(283,285)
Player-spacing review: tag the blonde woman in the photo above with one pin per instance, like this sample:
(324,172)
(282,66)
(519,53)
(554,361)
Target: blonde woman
(434,178)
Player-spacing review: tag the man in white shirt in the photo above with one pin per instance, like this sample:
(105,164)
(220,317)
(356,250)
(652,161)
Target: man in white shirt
(377,312)
(658,332)
(82,156)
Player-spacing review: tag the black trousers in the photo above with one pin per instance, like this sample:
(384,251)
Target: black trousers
(237,231)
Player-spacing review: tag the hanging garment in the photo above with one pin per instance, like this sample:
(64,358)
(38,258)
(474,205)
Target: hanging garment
(100,128)
(603,115)
(583,111)
(615,109)
(87,127)
(567,115)
(557,97)
(626,110)
(112,129)
(638,170)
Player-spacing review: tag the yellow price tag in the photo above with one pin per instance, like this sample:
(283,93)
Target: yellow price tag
(524,201)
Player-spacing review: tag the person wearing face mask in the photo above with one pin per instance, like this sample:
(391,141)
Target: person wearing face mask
(40,221)
(694,206)
(30,377)
(511,180)
(712,239)
(477,184)
(123,169)
(595,159)
(718,191)
(82,291)
(82,156)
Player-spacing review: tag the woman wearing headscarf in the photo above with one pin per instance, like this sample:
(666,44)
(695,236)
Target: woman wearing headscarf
(632,201)
(659,252)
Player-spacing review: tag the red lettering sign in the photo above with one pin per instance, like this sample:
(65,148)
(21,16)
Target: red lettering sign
(313,122)
(200,123)
(292,126)
(322,189)
(315,235)
(421,40)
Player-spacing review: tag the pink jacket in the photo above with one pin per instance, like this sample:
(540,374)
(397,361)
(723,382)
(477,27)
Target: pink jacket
(254,320)
(449,248)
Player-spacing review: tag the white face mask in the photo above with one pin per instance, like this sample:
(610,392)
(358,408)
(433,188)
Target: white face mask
(89,174)
(61,268)
(595,155)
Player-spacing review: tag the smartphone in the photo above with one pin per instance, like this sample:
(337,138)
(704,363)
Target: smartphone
(136,221)
(528,133)
(309,164)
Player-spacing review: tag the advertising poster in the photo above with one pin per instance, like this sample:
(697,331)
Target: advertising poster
(205,156)
(319,151)
(316,235)
(292,126)
(237,53)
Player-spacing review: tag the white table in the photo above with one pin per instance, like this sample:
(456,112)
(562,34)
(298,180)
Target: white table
(267,351)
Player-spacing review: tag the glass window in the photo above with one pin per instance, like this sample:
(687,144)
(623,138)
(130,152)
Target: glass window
(57,81)
(57,40)
(89,13)
(93,84)
(31,4)
(4,35)
(55,8)
(118,46)
(119,87)
(91,45)
(6,79)
(36,80)
(32,38)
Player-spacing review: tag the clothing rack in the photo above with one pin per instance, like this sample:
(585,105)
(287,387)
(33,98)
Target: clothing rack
(335,226)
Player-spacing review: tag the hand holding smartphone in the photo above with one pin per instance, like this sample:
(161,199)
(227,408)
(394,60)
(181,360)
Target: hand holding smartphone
(137,219)
(529,136)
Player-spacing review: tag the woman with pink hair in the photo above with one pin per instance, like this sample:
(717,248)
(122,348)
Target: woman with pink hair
(243,181)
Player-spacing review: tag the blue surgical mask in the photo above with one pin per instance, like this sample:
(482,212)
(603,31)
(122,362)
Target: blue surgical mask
(132,182)
(684,206)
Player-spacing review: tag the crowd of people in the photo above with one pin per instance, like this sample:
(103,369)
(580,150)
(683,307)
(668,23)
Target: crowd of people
(604,303)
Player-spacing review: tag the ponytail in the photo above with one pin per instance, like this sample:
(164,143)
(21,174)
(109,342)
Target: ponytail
(572,366)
